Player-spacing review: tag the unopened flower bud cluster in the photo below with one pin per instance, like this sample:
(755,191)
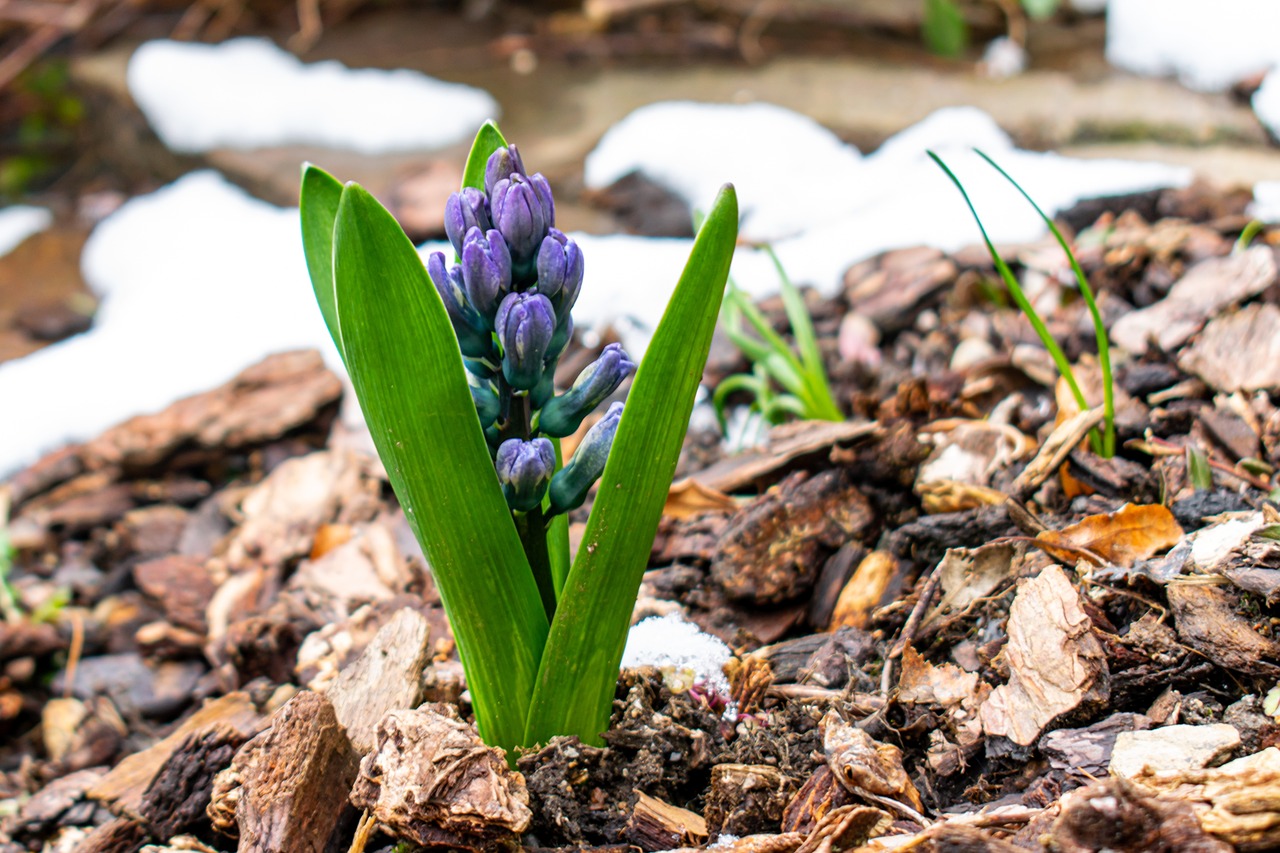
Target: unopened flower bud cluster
(509,297)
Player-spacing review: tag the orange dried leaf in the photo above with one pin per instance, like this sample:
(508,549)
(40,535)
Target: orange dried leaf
(1133,532)
(688,498)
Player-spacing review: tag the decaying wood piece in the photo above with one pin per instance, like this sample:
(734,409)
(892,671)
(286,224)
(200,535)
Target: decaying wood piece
(950,838)
(846,827)
(177,797)
(122,835)
(1206,618)
(1055,450)
(386,677)
(432,781)
(745,799)
(286,789)
(126,787)
(773,550)
(1055,661)
(1117,815)
(657,825)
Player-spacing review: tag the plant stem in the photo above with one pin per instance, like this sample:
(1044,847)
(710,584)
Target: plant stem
(531,525)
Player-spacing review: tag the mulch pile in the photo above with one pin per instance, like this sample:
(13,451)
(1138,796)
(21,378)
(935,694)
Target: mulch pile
(956,626)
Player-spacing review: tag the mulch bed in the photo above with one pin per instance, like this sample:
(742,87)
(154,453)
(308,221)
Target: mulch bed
(955,626)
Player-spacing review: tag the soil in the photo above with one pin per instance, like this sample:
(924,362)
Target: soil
(950,617)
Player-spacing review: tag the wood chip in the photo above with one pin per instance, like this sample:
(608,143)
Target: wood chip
(1055,450)
(286,789)
(786,444)
(657,825)
(386,677)
(1238,352)
(432,781)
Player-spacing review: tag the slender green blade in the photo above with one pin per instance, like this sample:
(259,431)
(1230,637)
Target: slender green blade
(408,375)
(558,535)
(815,373)
(579,667)
(318,206)
(1099,327)
(944,29)
(488,140)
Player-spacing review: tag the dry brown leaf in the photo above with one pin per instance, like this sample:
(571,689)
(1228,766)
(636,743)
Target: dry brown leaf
(922,683)
(1055,662)
(1239,351)
(861,763)
(688,498)
(966,576)
(1133,532)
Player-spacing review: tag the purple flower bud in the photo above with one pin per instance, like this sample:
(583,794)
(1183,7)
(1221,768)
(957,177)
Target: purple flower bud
(473,339)
(500,166)
(524,470)
(519,215)
(486,271)
(565,413)
(464,211)
(570,484)
(542,190)
(525,324)
(559,269)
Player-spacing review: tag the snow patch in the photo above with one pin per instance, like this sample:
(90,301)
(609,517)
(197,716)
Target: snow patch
(1209,46)
(20,221)
(671,641)
(248,93)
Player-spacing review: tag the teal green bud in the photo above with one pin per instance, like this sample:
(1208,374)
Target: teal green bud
(525,325)
(571,483)
(563,415)
(488,406)
(524,470)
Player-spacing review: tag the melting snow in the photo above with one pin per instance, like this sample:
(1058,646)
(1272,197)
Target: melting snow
(670,641)
(19,222)
(248,93)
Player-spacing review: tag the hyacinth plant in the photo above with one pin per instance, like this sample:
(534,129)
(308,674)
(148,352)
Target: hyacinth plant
(453,363)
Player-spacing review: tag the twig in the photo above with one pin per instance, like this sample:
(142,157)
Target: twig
(912,625)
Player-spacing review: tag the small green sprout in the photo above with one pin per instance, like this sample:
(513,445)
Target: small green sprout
(454,368)
(806,391)
(1105,444)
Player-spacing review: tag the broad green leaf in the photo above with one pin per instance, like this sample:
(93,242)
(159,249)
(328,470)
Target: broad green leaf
(1198,470)
(408,375)
(318,206)
(579,669)
(488,140)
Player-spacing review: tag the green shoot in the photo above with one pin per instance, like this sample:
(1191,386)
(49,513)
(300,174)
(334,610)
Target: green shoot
(801,374)
(1104,444)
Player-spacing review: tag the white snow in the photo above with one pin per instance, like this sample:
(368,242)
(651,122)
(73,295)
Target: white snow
(1209,46)
(20,221)
(671,641)
(1266,201)
(1266,102)
(248,93)
(199,280)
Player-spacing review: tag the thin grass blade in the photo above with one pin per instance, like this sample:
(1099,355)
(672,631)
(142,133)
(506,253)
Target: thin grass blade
(1020,298)
(579,669)
(1099,327)
(408,375)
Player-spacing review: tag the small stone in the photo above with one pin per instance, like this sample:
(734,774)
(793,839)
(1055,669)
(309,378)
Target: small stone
(1171,749)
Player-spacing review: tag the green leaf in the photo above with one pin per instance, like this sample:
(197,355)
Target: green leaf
(557,534)
(318,206)
(1099,327)
(579,669)
(1198,470)
(1040,9)
(488,140)
(408,375)
(944,29)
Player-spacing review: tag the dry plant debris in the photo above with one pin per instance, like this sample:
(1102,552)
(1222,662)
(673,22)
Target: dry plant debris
(956,626)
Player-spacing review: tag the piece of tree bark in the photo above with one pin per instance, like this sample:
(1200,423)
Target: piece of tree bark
(286,789)
(179,793)
(657,825)
(386,677)
(122,835)
(746,799)
(124,788)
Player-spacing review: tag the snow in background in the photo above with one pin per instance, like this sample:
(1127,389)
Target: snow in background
(1266,202)
(19,222)
(1208,46)
(248,93)
(671,641)
(199,280)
